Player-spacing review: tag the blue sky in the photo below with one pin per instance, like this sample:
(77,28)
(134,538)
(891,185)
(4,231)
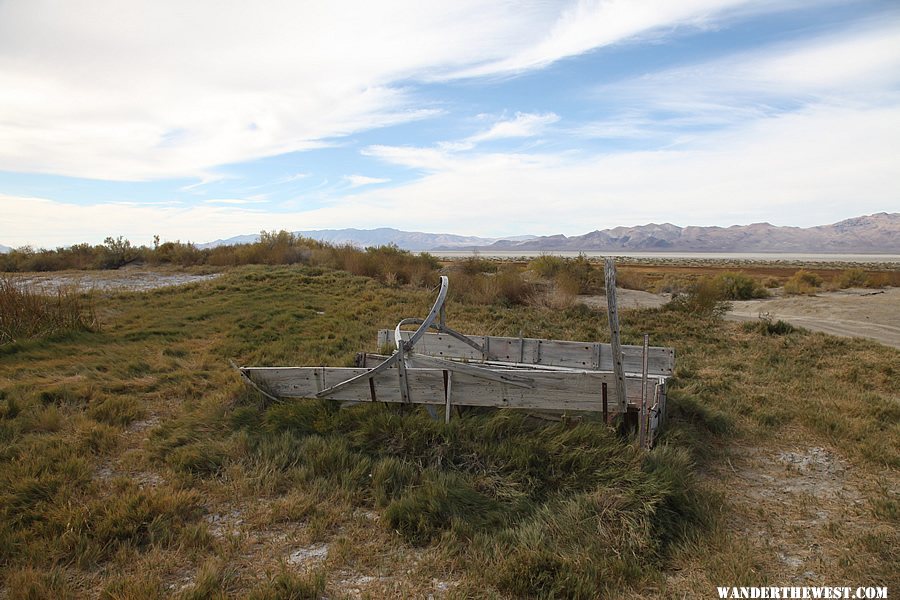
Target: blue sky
(197,121)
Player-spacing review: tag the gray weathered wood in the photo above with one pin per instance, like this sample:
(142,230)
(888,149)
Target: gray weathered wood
(642,425)
(534,351)
(427,321)
(567,391)
(473,370)
(632,382)
(613,314)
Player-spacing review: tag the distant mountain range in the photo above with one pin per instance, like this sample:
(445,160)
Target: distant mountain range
(408,240)
(871,234)
(4,249)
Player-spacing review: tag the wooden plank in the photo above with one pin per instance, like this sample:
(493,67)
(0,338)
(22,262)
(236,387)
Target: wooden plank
(632,382)
(475,370)
(642,425)
(613,315)
(661,361)
(303,382)
(575,390)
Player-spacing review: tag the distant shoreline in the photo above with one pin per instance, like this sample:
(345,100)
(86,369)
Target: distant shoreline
(769,257)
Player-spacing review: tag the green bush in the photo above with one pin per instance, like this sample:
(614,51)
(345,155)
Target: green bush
(574,275)
(474,265)
(767,326)
(507,287)
(739,286)
(803,283)
(853,278)
(704,297)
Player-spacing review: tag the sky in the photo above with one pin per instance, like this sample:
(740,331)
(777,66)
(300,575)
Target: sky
(202,120)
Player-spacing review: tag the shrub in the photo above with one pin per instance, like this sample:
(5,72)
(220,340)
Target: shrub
(673,284)
(505,288)
(853,278)
(574,275)
(115,253)
(181,254)
(767,326)
(547,265)
(738,286)
(884,279)
(803,282)
(474,265)
(705,298)
(630,280)
(388,264)
(554,297)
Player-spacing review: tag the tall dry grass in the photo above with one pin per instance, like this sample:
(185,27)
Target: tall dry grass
(27,313)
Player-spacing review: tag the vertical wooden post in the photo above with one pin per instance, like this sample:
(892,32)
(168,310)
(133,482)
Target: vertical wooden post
(449,375)
(613,312)
(521,347)
(404,381)
(642,425)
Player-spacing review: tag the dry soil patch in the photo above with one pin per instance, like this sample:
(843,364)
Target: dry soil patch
(122,280)
(872,314)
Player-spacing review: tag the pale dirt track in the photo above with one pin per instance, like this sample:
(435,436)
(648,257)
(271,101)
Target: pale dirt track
(872,314)
(865,313)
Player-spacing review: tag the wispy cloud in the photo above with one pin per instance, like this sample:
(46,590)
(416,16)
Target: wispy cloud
(292,178)
(523,125)
(793,169)
(783,165)
(126,92)
(361,180)
(236,201)
(586,25)
(855,68)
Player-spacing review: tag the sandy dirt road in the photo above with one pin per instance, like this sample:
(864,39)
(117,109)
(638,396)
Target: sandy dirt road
(872,314)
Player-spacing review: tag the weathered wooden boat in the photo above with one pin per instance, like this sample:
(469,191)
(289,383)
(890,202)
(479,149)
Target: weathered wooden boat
(446,368)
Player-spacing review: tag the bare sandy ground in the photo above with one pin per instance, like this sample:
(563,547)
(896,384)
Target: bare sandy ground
(872,314)
(124,280)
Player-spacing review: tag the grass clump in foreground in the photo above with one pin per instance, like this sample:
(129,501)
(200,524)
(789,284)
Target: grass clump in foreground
(558,510)
(123,452)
